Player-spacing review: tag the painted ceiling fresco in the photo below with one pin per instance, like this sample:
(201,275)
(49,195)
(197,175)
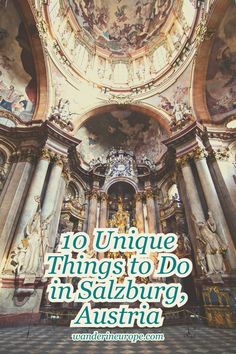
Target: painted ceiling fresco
(122,25)
(176,95)
(221,75)
(130,130)
(17,72)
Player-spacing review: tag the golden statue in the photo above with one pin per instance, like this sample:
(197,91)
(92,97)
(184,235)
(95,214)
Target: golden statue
(121,218)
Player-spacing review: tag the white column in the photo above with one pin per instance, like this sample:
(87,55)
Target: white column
(35,189)
(85,226)
(103,217)
(49,202)
(228,172)
(215,206)
(158,216)
(151,212)
(139,212)
(103,210)
(11,205)
(191,189)
(57,213)
(92,215)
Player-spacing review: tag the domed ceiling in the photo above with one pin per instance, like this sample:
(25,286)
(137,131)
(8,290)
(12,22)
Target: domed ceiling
(122,25)
(121,45)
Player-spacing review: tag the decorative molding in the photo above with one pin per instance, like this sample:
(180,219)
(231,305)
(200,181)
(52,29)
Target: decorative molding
(203,33)
(149,194)
(94,194)
(24,155)
(121,99)
(104,196)
(183,160)
(139,196)
(222,154)
(200,153)
(46,154)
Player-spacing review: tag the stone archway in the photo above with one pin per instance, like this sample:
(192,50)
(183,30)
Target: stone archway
(42,102)
(202,60)
(153,112)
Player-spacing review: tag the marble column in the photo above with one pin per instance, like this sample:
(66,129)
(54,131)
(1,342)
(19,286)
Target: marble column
(12,203)
(158,218)
(191,189)
(151,213)
(222,171)
(224,163)
(139,212)
(85,225)
(184,194)
(92,214)
(10,172)
(103,210)
(35,190)
(57,212)
(214,204)
(191,199)
(103,216)
(49,203)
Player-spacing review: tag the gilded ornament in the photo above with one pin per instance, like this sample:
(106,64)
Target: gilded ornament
(200,153)
(45,154)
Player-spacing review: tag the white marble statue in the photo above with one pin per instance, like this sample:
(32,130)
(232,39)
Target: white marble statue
(44,244)
(201,261)
(61,110)
(214,247)
(33,239)
(28,256)
(187,244)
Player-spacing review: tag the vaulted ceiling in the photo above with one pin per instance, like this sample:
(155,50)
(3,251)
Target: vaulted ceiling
(122,25)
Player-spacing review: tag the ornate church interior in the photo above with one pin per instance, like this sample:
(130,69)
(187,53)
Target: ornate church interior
(118,114)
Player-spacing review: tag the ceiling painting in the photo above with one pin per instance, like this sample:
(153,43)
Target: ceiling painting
(122,26)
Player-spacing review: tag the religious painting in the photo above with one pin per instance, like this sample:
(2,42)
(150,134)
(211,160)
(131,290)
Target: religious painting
(18,93)
(221,74)
(122,26)
(130,130)
(176,95)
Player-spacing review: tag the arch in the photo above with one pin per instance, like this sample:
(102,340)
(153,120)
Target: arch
(115,180)
(153,112)
(202,60)
(42,102)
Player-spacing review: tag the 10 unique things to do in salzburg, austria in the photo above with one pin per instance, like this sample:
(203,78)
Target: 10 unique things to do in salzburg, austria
(139,278)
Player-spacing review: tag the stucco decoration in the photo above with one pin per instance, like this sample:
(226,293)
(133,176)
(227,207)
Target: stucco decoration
(17,72)
(80,94)
(221,75)
(130,130)
(177,94)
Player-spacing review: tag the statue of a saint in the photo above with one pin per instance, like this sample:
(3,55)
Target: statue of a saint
(44,244)
(33,241)
(28,257)
(214,247)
